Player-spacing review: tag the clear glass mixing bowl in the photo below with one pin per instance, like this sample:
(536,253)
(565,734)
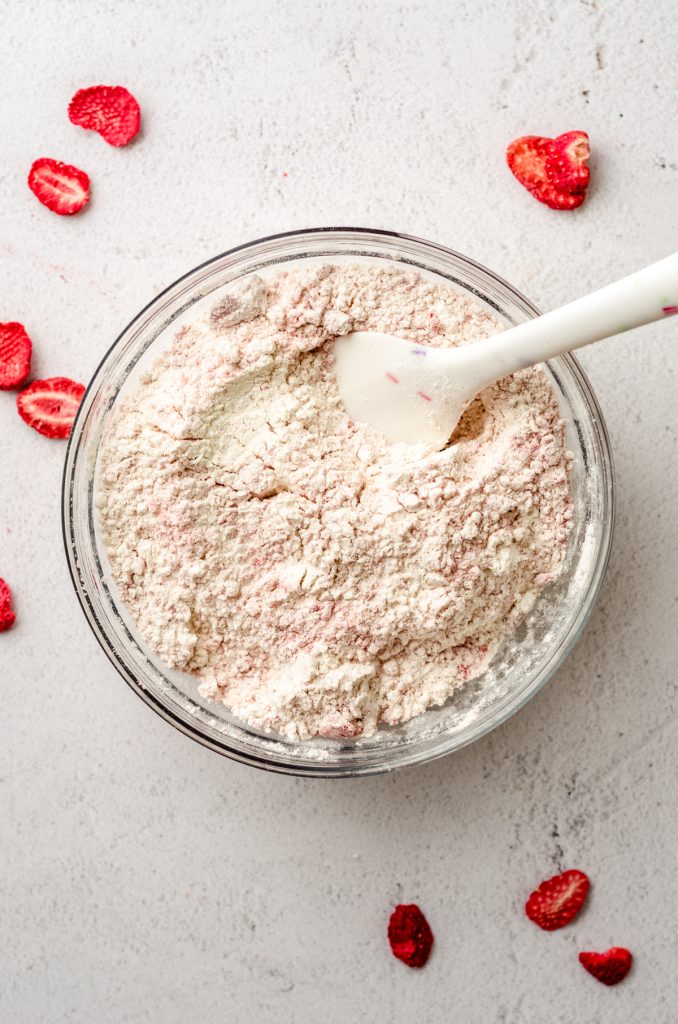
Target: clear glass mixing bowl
(526,660)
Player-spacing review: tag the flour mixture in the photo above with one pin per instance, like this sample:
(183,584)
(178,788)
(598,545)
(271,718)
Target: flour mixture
(313,577)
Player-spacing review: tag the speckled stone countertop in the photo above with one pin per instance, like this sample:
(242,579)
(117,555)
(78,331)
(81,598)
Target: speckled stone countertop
(144,878)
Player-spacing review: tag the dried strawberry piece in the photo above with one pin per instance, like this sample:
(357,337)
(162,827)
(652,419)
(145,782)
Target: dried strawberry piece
(15,356)
(410,935)
(7,616)
(610,967)
(558,900)
(60,187)
(553,170)
(110,110)
(49,406)
(527,159)
(566,163)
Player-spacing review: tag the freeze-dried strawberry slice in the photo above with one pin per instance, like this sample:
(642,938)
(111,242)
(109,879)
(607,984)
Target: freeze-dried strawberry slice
(60,187)
(610,967)
(557,900)
(110,110)
(410,935)
(566,163)
(49,406)
(553,170)
(7,616)
(527,159)
(15,356)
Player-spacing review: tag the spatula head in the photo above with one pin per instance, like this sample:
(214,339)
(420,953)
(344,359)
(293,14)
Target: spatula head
(403,389)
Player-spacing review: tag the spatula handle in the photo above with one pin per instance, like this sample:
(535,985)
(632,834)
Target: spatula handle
(648,295)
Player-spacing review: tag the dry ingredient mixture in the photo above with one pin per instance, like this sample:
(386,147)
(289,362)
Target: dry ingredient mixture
(315,578)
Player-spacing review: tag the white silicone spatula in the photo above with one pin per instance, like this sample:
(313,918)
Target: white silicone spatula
(414,393)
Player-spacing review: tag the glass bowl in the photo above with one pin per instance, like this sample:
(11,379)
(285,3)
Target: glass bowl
(521,666)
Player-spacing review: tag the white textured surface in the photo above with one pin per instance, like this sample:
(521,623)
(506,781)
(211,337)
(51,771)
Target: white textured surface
(148,880)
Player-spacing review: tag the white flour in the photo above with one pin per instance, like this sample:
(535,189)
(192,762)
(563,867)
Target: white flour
(315,578)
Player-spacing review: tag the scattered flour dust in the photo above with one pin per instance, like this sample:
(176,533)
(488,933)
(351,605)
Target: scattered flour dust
(315,578)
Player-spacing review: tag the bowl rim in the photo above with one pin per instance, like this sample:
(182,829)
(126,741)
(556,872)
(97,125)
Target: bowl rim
(321,769)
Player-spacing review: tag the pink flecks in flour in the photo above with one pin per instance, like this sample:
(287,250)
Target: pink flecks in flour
(315,578)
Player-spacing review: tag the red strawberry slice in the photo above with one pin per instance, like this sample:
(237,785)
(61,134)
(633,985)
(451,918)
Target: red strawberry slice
(49,406)
(7,616)
(15,356)
(553,170)
(566,162)
(60,187)
(557,900)
(410,935)
(110,110)
(610,967)
(527,159)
